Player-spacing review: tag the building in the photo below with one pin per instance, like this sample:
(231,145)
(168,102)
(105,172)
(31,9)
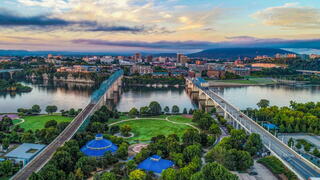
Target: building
(182,59)
(141,69)
(106,59)
(314,56)
(25,153)
(264,65)
(98,147)
(217,73)
(155,164)
(240,71)
(137,57)
(202,82)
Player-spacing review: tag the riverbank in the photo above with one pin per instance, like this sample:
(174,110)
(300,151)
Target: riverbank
(242,82)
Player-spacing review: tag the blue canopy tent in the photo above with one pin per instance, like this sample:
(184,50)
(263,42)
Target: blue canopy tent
(98,147)
(270,126)
(155,164)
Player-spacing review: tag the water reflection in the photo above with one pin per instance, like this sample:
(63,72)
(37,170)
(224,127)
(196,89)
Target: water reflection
(64,95)
(279,95)
(142,96)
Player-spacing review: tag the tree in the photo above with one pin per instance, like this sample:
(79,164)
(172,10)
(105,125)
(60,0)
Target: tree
(185,111)
(291,142)
(35,109)
(122,151)
(175,109)
(133,112)
(215,171)
(263,103)
(253,144)
(51,123)
(190,111)
(166,109)
(114,129)
(155,108)
(169,174)
(108,176)
(215,130)
(192,151)
(125,130)
(137,175)
(191,136)
(144,111)
(5,143)
(51,109)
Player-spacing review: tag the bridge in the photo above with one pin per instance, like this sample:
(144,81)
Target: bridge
(108,89)
(208,99)
(10,71)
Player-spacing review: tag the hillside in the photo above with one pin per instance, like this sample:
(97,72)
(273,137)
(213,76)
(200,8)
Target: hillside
(234,53)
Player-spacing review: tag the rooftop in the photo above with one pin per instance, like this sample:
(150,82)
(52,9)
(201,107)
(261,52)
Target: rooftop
(155,164)
(98,147)
(25,151)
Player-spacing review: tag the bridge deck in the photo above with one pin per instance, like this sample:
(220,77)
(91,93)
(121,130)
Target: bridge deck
(297,163)
(39,161)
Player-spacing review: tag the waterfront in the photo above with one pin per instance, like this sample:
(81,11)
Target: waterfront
(63,95)
(279,95)
(75,95)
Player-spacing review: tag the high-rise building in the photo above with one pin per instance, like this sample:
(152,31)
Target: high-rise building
(137,57)
(182,59)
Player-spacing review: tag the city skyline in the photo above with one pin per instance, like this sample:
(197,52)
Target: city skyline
(160,26)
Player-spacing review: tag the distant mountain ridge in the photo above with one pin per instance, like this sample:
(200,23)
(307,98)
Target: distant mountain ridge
(234,53)
(221,53)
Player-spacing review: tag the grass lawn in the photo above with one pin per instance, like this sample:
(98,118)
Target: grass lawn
(145,129)
(38,122)
(180,119)
(253,81)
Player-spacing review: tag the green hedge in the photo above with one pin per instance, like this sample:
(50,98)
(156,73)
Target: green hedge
(277,167)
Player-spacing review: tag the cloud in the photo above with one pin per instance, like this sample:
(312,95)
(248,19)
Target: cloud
(7,19)
(46,23)
(290,16)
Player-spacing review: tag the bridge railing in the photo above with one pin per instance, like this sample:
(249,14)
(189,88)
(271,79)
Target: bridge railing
(80,115)
(260,127)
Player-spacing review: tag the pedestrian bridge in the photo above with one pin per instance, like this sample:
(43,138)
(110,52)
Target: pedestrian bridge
(108,89)
(208,99)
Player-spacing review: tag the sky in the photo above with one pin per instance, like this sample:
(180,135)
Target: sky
(157,25)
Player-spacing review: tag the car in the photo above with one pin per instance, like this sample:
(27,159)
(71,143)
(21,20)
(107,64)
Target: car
(253,173)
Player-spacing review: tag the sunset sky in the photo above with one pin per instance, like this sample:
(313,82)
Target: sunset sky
(157,25)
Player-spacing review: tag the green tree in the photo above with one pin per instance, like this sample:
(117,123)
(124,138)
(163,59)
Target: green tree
(191,136)
(169,174)
(51,109)
(35,109)
(5,143)
(51,123)
(291,142)
(192,151)
(122,151)
(175,109)
(215,171)
(125,130)
(144,111)
(185,111)
(253,144)
(155,108)
(133,112)
(215,130)
(108,176)
(263,103)
(137,175)
(166,109)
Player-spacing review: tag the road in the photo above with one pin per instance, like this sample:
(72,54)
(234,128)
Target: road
(39,161)
(304,169)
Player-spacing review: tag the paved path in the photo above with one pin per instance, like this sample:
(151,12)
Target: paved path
(160,119)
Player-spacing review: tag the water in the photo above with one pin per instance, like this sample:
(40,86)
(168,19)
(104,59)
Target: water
(63,95)
(142,96)
(72,95)
(244,97)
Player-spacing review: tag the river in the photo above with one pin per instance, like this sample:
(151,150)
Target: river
(72,95)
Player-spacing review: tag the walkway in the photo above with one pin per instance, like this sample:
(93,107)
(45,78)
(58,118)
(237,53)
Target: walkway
(160,119)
